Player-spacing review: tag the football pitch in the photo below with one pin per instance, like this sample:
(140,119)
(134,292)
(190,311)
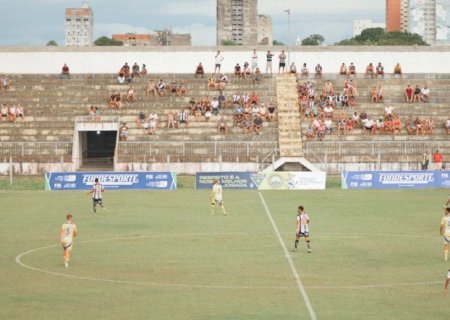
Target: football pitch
(160,255)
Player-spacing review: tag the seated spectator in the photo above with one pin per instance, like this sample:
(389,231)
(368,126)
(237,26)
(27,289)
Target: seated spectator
(208,112)
(305,71)
(116,100)
(245,70)
(328,111)
(223,81)
(356,119)
(131,97)
(344,99)
(135,71)
(197,111)
(425,94)
(65,74)
(211,83)
(388,110)
(318,71)
(140,120)
(368,124)
(379,126)
(309,133)
(182,91)
(121,77)
(416,96)
(161,87)
(20,112)
(171,123)
(253,98)
(222,125)
(144,70)
(199,71)
(12,113)
(409,94)
(257,76)
(349,125)
(343,70)
(411,126)
(222,100)
(374,95)
(351,70)
(328,89)
(342,125)
(328,122)
(237,70)
(321,130)
(173,87)
(292,68)
(380,70)
(255,110)
(447,125)
(123,132)
(152,125)
(183,117)
(151,88)
(370,71)
(258,124)
(4,112)
(247,124)
(396,125)
(398,71)
(215,106)
(5,83)
(94,113)
(154,116)
(271,112)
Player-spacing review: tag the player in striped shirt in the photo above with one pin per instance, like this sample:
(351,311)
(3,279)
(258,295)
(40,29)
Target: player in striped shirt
(445,231)
(68,232)
(216,197)
(302,228)
(97,197)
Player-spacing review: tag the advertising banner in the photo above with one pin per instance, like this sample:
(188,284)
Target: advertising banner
(263,181)
(111,180)
(395,179)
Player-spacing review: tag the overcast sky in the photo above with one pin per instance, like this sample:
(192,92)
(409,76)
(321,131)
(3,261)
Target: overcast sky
(35,22)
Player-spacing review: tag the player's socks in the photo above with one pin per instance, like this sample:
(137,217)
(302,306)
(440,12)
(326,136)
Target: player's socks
(224,212)
(308,244)
(296,244)
(66,264)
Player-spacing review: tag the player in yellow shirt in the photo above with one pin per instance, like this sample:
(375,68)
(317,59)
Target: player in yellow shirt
(68,232)
(216,197)
(445,231)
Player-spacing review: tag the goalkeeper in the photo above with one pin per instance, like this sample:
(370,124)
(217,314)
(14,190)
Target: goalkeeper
(216,197)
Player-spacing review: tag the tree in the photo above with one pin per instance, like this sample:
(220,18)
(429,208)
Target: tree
(313,40)
(105,41)
(52,43)
(228,43)
(277,43)
(379,37)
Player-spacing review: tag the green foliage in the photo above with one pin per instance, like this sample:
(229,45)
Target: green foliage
(277,43)
(52,43)
(313,40)
(105,41)
(379,37)
(228,43)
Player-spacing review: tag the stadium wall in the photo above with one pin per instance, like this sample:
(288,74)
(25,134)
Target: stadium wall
(49,60)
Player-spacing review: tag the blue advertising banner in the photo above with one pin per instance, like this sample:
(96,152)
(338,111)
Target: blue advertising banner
(229,180)
(111,180)
(395,179)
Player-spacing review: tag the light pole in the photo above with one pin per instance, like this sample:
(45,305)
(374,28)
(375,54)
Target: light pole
(288,11)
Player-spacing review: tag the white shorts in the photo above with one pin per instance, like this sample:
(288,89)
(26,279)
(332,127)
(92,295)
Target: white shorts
(446,240)
(67,244)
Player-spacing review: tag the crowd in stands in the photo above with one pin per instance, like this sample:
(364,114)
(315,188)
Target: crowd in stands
(12,113)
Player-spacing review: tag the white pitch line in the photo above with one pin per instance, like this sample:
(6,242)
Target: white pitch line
(300,286)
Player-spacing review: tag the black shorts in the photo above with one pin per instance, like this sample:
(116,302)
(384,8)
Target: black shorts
(282,64)
(303,234)
(97,201)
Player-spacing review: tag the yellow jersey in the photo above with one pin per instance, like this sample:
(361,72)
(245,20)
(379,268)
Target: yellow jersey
(69,230)
(445,222)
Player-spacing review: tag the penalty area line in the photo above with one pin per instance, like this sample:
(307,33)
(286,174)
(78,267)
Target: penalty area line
(300,286)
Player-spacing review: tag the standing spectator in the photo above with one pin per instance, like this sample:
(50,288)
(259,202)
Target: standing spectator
(398,71)
(409,94)
(282,61)
(318,70)
(123,132)
(425,160)
(269,57)
(380,70)
(254,60)
(438,159)
(199,71)
(217,62)
(65,73)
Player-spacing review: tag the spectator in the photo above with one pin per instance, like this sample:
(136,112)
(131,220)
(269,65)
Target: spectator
(116,100)
(370,71)
(245,70)
(271,112)
(254,60)
(305,71)
(12,113)
(131,97)
(217,62)
(151,88)
(223,81)
(5,83)
(416,96)
(328,122)
(161,88)
(253,98)
(123,132)
(215,106)
(65,73)
(237,71)
(343,70)
(309,133)
(344,98)
(183,117)
(349,125)
(368,124)
(351,70)
(318,71)
(247,124)
(398,71)
(4,112)
(425,160)
(380,70)
(199,71)
(154,116)
(328,89)
(282,61)
(425,94)
(121,77)
(396,125)
(140,120)
(144,70)
(222,125)
(447,125)
(173,88)
(379,126)
(152,125)
(438,160)
(388,110)
(135,71)
(208,112)
(409,94)
(269,57)
(257,77)
(182,91)
(292,68)
(20,112)
(197,111)
(258,124)
(171,120)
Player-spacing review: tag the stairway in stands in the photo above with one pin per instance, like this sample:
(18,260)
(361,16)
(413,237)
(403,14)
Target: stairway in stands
(289,129)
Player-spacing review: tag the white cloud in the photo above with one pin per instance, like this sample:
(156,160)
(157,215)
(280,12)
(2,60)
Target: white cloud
(300,7)
(190,8)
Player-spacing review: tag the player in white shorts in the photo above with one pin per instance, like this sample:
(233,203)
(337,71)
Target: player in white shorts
(97,195)
(302,228)
(445,231)
(68,232)
(216,197)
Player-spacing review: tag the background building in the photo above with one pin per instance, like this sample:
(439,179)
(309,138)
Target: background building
(238,22)
(79,26)
(360,25)
(397,15)
(160,38)
(422,19)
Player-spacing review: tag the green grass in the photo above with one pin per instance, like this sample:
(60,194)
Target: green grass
(169,259)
